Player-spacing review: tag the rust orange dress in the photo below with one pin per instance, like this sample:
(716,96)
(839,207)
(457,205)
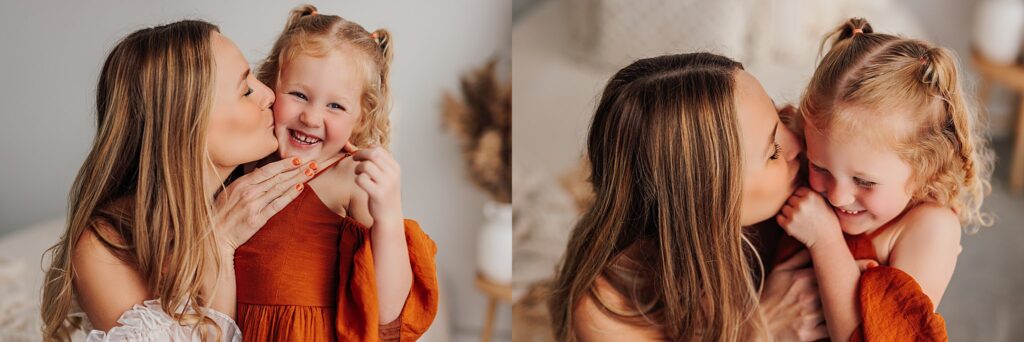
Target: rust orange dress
(308,275)
(892,305)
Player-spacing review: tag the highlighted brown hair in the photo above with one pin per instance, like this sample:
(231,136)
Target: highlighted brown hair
(143,176)
(664,149)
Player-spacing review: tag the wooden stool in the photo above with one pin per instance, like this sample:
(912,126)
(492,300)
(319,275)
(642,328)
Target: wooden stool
(495,292)
(1010,76)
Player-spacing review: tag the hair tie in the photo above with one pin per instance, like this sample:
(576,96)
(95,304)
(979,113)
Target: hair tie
(373,35)
(857,30)
(313,12)
(924,60)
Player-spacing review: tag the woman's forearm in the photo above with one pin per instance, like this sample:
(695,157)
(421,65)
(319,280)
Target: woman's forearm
(221,284)
(837,274)
(392,268)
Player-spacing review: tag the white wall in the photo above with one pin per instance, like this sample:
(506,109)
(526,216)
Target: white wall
(52,53)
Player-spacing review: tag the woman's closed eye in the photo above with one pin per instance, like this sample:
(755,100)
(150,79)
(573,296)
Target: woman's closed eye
(248,91)
(777,152)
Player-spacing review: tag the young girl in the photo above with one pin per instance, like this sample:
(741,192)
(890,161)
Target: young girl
(896,165)
(338,262)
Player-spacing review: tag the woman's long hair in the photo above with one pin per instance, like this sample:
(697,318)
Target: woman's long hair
(664,229)
(143,178)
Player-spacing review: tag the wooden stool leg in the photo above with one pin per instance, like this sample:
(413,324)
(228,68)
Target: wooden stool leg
(1017,166)
(492,307)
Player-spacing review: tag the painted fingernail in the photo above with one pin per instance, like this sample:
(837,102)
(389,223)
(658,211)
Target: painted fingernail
(309,172)
(298,187)
(312,165)
(296,161)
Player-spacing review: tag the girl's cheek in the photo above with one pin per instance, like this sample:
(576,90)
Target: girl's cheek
(283,110)
(339,130)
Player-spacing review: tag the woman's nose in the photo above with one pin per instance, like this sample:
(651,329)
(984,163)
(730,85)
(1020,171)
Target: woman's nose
(792,146)
(268,96)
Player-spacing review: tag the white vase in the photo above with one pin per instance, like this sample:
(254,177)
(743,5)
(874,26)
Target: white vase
(494,244)
(999,30)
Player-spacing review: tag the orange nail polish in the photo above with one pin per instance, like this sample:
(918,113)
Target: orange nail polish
(296,161)
(309,172)
(298,187)
(312,165)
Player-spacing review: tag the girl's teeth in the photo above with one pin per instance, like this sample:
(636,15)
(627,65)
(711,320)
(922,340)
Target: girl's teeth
(850,212)
(305,139)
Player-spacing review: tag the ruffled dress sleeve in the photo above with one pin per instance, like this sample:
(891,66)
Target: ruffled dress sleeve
(149,322)
(894,308)
(357,298)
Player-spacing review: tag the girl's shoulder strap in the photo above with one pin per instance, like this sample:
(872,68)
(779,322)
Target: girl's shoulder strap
(332,164)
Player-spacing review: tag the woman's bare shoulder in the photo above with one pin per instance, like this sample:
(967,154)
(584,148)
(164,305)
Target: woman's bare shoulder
(594,320)
(106,285)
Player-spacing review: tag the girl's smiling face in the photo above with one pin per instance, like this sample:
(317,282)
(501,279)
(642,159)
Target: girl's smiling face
(319,104)
(867,184)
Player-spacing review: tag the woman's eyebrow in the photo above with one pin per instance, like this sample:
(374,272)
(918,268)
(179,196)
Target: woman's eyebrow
(245,75)
(771,139)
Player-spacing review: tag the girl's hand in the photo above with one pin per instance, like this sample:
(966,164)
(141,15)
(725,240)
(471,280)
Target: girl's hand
(380,176)
(246,204)
(807,217)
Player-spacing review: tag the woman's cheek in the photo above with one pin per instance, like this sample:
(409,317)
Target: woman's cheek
(817,181)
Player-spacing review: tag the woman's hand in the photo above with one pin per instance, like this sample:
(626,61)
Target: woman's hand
(790,301)
(239,211)
(246,204)
(807,217)
(378,173)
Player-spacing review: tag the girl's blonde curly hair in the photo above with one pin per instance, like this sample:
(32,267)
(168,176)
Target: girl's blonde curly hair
(317,34)
(917,107)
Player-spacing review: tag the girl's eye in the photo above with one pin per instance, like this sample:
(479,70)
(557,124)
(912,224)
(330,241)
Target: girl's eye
(299,95)
(777,153)
(248,91)
(863,183)
(817,168)
(335,106)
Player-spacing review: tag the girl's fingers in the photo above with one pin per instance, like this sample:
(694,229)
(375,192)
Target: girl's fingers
(793,201)
(349,148)
(371,169)
(802,191)
(367,184)
(865,264)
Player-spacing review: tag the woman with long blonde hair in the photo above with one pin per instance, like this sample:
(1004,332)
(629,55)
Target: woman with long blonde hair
(148,249)
(685,151)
